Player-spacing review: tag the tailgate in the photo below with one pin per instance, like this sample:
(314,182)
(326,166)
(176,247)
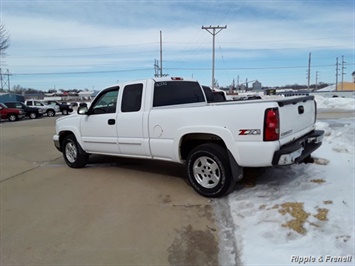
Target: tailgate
(297,117)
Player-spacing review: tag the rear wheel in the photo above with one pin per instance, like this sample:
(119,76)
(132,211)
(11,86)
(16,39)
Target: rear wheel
(65,112)
(209,171)
(12,117)
(50,113)
(74,155)
(33,115)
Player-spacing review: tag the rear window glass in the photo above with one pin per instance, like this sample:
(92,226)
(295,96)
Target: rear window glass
(177,92)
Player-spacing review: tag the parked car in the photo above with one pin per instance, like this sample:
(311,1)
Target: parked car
(12,114)
(50,110)
(65,109)
(31,112)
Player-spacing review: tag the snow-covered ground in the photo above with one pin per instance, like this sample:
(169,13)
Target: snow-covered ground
(301,214)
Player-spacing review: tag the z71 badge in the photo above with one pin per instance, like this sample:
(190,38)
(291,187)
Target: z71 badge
(244,132)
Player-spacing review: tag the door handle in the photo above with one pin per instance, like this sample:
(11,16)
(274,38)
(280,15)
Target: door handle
(300,109)
(111,121)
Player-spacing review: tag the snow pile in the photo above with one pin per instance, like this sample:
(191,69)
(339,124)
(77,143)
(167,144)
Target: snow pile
(335,103)
(300,211)
(299,214)
(328,88)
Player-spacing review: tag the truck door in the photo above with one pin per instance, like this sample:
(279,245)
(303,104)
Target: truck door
(130,124)
(98,128)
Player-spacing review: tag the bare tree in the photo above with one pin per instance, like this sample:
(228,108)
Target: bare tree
(4,40)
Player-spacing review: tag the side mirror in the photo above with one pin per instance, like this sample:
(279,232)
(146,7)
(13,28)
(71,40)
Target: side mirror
(83,110)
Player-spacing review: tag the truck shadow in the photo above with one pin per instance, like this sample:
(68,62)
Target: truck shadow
(142,165)
(253,177)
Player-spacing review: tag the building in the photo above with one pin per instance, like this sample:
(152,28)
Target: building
(11,97)
(341,86)
(256,86)
(347,86)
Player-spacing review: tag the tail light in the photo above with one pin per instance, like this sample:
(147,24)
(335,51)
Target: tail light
(271,124)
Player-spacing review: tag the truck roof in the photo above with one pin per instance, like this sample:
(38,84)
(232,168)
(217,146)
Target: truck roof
(159,79)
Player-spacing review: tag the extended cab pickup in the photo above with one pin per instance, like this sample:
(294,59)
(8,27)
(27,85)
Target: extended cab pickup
(50,110)
(12,114)
(170,119)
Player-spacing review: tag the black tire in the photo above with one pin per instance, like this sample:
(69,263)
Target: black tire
(33,115)
(64,112)
(209,172)
(74,155)
(12,117)
(50,113)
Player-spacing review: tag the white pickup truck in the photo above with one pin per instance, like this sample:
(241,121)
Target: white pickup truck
(177,120)
(50,110)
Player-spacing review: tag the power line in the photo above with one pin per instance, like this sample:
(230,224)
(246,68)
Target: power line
(80,72)
(168,68)
(82,48)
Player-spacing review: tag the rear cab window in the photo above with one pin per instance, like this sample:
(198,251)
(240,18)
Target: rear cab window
(177,92)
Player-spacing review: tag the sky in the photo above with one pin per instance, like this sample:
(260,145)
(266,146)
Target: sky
(302,214)
(74,44)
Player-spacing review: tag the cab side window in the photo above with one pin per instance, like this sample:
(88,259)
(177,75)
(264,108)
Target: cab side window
(132,98)
(107,103)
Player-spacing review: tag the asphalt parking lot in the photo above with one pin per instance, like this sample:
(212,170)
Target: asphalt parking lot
(113,212)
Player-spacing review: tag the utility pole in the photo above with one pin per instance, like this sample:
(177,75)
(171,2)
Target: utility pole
(309,69)
(1,82)
(161,55)
(342,71)
(316,80)
(214,33)
(238,83)
(336,74)
(158,69)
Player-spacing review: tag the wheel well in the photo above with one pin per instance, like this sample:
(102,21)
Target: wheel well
(191,141)
(62,137)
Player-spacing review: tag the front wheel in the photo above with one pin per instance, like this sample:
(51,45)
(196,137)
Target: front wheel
(65,112)
(12,117)
(33,115)
(50,113)
(74,155)
(209,171)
